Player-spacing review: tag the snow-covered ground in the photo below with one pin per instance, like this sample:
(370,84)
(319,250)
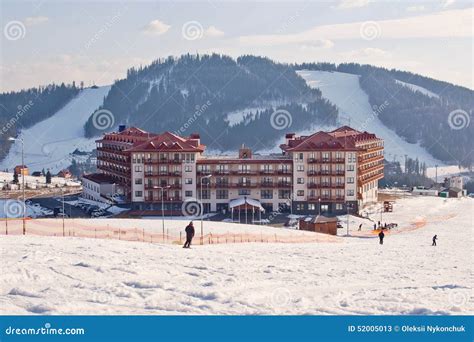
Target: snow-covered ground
(406,275)
(49,143)
(345,92)
(416,88)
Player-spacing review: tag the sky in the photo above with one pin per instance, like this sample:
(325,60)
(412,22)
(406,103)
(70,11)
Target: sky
(97,41)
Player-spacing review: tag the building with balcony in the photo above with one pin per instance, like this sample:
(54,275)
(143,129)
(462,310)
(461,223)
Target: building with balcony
(323,173)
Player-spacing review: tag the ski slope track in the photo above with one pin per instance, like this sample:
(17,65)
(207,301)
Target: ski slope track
(345,92)
(49,143)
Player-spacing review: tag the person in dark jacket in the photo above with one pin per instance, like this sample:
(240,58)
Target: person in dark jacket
(189,234)
(360,227)
(434,240)
(381,236)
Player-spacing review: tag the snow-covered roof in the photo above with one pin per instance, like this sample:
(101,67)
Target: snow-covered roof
(245,200)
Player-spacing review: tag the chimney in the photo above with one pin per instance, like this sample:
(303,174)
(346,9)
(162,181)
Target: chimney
(195,138)
(245,152)
(288,137)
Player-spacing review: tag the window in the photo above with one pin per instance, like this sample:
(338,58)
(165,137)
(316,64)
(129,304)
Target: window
(339,206)
(188,168)
(350,192)
(188,193)
(311,206)
(284,194)
(188,181)
(205,194)
(324,207)
(138,193)
(138,181)
(267,194)
(300,167)
(300,156)
(300,193)
(350,167)
(222,194)
(138,168)
(350,180)
(299,206)
(244,192)
(300,180)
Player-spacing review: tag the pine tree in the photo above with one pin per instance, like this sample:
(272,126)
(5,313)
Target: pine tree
(15,177)
(48,177)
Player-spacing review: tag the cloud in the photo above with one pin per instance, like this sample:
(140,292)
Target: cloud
(156,28)
(348,4)
(445,24)
(418,8)
(317,45)
(371,53)
(31,21)
(214,32)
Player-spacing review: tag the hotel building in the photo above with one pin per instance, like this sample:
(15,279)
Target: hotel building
(327,172)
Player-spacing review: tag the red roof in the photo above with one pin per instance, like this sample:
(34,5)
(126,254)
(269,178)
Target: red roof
(168,142)
(343,138)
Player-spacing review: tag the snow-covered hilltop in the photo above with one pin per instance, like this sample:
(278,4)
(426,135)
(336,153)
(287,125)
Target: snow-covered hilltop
(345,92)
(49,143)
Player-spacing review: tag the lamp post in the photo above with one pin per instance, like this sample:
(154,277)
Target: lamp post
(64,214)
(162,188)
(319,205)
(22,178)
(202,207)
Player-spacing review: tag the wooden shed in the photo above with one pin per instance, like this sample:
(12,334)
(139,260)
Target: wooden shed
(319,224)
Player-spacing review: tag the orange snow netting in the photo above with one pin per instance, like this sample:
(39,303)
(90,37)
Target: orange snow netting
(73,228)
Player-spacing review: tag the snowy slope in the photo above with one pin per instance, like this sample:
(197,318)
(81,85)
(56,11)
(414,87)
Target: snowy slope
(48,144)
(406,275)
(344,91)
(416,88)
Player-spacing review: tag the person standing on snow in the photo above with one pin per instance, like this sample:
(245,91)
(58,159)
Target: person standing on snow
(381,236)
(434,240)
(189,234)
(360,227)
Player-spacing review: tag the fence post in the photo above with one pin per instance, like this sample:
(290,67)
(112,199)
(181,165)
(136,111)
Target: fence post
(6,225)
(276,238)
(180,234)
(95,232)
(143,234)
(120,233)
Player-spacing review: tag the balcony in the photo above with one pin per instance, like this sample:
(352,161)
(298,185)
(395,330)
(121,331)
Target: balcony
(165,199)
(267,184)
(284,172)
(221,172)
(267,172)
(284,184)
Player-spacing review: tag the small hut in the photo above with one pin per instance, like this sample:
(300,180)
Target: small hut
(246,208)
(319,224)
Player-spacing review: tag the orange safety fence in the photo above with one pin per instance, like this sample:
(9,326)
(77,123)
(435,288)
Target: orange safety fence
(72,228)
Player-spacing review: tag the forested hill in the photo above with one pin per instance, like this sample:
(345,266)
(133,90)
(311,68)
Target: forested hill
(23,109)
(197,93)
(440,122)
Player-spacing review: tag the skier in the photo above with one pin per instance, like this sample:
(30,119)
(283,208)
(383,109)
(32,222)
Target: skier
(189,235)
(434,240)
(381,236)
(360,227)
(375,226)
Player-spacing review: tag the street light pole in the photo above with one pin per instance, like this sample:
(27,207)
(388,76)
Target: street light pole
(162,188)
(62,191)
(202,207)
(22,178)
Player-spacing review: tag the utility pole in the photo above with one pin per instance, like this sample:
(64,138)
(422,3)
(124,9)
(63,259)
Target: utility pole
(22,178)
